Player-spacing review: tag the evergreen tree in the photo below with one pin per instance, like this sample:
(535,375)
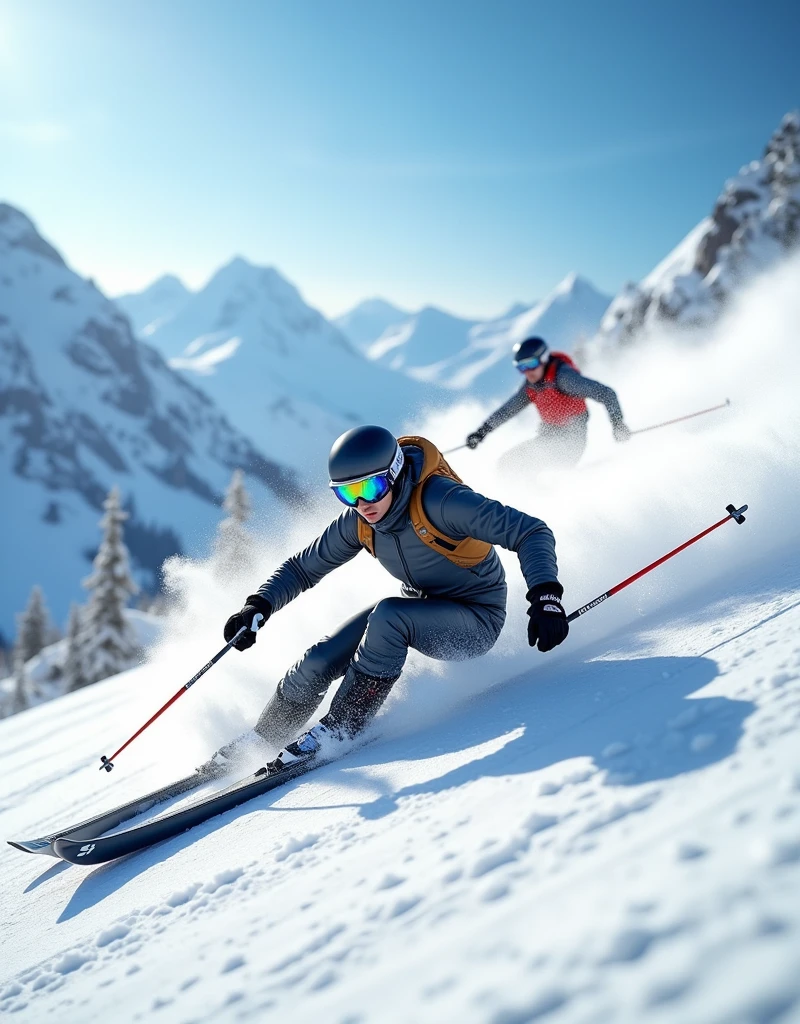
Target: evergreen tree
(74,672)
(233,543)
(33,627)
(107,640)
(20,695)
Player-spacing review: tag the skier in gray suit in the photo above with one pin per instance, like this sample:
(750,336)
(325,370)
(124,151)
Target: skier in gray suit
(434,534)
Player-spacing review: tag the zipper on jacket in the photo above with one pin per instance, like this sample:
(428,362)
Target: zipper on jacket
(409,577)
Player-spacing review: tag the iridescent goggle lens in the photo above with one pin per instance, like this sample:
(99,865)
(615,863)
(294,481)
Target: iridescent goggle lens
(372,489)
(528,364)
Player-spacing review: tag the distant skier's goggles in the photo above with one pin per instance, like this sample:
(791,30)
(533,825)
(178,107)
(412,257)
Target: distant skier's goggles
(528,364)
(372,489)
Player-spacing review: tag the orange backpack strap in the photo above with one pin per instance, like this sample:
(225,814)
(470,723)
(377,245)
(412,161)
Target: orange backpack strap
(467,552)
(366,535)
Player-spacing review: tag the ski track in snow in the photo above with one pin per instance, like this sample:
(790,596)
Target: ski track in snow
(613,838)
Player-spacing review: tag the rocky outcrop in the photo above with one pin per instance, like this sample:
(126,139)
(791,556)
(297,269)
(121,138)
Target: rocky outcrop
(755,221)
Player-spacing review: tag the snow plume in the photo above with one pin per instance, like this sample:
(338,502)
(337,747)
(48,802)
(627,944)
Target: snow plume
(623,507)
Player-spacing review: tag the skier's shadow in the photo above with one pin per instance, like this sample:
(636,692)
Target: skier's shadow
(528,723)
(635,719)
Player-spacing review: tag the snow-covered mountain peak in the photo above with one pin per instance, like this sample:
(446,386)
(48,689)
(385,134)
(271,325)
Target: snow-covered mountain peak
(368,320)
(755,221)
(84,406)
(154,306)
(17,231)
(277,366)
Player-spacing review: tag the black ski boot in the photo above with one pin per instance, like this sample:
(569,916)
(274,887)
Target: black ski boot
(357,701)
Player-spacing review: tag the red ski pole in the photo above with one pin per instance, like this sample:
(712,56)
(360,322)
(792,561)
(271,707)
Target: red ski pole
(680,419)
(733,513)
(108,762)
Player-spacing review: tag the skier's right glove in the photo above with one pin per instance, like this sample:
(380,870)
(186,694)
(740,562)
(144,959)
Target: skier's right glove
(256,605)
(548,621)
(475,438)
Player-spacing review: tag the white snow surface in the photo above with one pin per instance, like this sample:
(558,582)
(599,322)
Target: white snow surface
(607,833)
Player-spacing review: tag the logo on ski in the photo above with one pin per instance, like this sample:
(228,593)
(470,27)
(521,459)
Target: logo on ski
(84,850)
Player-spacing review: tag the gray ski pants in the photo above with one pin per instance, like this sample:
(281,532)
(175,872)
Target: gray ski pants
(377,642)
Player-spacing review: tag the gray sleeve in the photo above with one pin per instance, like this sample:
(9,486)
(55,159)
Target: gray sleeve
(337,545)
(460,512)
(518,401)
(571,382)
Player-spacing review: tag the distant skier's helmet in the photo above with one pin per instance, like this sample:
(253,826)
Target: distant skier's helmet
(529,354)
(364,463)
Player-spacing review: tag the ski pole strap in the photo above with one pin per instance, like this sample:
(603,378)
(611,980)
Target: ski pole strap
(680,419)
(108,762)
(737,514)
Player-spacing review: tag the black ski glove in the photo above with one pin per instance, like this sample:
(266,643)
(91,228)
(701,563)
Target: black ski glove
(621,431)
(475,438)
(548,620)
(256,605)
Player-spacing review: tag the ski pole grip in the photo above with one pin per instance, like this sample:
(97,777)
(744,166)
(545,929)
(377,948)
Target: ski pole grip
(258,618)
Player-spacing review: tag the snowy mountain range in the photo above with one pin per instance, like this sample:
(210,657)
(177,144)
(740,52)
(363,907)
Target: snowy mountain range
(157,304)
(282,373)
(368,320)
(460,354)
(85,405)
(755,221)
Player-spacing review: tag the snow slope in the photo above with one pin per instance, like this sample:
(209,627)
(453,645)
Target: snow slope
(607,833)
(475,355)
(85,406)
(283,374)
(755,221)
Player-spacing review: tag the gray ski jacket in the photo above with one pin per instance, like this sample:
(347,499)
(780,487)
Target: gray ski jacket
(571,382)
(455,510)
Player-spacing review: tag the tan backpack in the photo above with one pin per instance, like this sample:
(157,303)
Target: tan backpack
(467,552)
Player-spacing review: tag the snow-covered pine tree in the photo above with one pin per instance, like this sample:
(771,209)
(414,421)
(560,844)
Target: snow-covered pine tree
(34,627)
(20,695)
(107,640)
(74,673)
(233,543)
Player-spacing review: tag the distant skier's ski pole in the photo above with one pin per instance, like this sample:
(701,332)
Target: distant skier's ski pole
(108,762)
(457,448)
(733,513)
(680,419)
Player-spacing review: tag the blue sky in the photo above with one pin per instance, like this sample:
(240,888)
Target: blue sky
(461,154)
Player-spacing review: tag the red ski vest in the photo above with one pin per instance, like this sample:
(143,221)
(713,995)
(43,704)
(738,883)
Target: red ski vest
(553,405)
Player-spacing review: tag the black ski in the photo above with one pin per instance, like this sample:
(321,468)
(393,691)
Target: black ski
(104,822)
(97,849)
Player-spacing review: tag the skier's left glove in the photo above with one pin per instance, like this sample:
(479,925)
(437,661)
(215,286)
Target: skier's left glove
(621,431)
(548,621)
(256,605)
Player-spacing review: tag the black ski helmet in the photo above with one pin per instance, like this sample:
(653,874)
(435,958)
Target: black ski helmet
(530,348)
(362,452)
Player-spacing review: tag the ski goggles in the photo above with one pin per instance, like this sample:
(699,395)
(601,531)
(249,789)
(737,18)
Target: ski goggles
(372,489)
(528,364)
